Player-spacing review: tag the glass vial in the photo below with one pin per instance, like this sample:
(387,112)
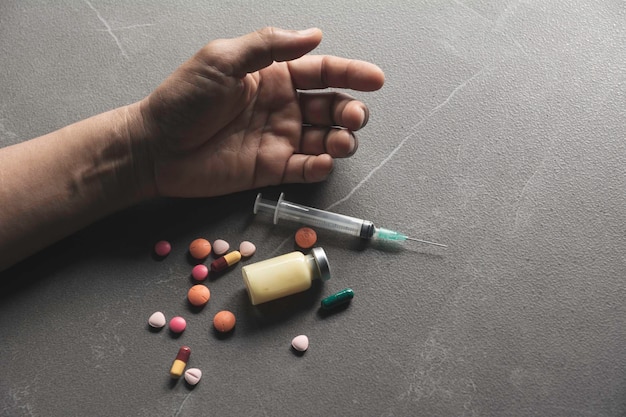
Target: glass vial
(284,275)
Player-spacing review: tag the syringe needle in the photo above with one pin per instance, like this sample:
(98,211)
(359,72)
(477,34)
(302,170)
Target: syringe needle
(426,242)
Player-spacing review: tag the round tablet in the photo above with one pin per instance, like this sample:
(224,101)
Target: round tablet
(178,324)
(199,295)
(306,237)
(224,321)
(162,248)
(200,248)
(157,320)
(220,247)
(300,343)
(193,375)
(200,272)
(247,249)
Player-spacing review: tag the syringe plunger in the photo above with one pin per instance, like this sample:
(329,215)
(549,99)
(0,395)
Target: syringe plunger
(286,210)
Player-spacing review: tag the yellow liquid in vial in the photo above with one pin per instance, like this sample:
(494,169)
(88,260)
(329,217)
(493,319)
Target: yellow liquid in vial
(278,277)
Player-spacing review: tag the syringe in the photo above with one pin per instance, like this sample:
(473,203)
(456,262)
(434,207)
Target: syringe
(285,210)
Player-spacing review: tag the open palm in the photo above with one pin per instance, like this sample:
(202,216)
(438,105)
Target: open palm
(237,115)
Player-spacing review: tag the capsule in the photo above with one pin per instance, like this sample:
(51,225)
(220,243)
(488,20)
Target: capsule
(337,299)
(226,261)
(178,367)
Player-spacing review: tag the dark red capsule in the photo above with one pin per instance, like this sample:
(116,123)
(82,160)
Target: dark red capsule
(225,261)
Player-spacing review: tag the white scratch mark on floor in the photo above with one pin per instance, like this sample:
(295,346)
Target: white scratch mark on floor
(523,192)
(275,251)
(521,48)
(108,28)
(413,130)
(141,25)
(182,404)
(473,11)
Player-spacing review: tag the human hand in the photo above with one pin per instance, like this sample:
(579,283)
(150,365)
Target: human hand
(236,116)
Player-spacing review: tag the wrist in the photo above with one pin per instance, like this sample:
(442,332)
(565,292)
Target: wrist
(114,162)
(137,177)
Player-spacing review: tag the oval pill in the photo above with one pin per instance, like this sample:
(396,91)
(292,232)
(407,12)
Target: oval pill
(220,247)
(337,299)
(178,366)
(247,249)
(224,321)
(200,272)
(162,248)
(306,237)
(199,295)
(200,248)
(300,343)
(226,261)
(178,324)
(193,376)
(157,320)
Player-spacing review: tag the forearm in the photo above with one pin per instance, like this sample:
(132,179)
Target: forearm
(56,184)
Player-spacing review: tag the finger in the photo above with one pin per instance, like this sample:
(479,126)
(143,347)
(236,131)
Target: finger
(338,143)
(307,168)
(323,71)
(333,109)
(259,49)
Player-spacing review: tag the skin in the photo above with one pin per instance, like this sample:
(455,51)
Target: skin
(235,116)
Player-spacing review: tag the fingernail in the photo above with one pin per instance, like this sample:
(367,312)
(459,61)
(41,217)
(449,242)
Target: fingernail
(365,117)
(355,145)
(308,32)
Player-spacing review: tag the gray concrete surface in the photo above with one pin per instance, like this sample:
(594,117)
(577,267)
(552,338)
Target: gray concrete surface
(500,131)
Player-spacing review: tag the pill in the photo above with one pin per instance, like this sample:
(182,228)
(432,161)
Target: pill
(178,367)
(193,376)
(162,248)
(300,343)
(200,248)
(224,321)
(178,324)
(220,247)
(198,295)
(306,237)
(338,298)
(200,272)
(226,261)
(247,249)
(157,320)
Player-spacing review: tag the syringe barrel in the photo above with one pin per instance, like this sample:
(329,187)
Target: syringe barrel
(310,216)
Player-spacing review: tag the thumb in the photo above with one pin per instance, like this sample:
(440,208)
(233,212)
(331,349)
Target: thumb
(257,50)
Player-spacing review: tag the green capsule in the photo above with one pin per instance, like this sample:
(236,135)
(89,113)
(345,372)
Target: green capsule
(337,298)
